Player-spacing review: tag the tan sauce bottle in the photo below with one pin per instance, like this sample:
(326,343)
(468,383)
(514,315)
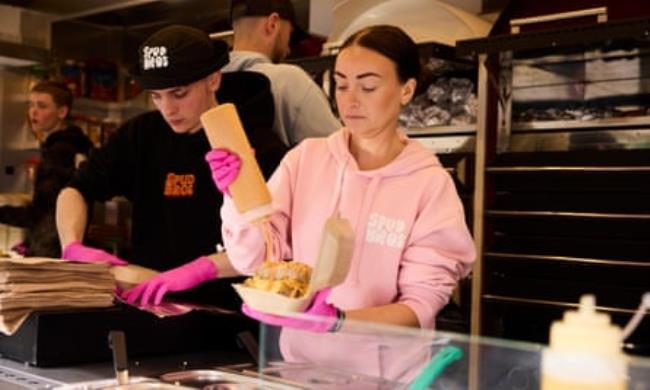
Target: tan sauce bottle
(248,191)
(585,352)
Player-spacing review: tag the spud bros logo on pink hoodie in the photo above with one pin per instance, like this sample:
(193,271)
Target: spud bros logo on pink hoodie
(386,231)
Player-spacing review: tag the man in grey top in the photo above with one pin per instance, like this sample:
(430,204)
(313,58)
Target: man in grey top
(262,29)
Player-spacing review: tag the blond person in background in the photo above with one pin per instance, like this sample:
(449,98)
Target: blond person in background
(63,146)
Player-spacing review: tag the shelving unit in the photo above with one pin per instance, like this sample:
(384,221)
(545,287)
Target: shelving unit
(99,118)
(564,205)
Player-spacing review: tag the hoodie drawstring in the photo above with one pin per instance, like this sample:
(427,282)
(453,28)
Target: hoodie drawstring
(338,190)
(361,231)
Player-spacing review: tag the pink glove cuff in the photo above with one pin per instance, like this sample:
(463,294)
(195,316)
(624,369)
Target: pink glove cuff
(78,252)
(68,250)
(182,278)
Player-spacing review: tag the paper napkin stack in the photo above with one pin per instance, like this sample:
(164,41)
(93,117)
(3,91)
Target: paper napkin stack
(30,284)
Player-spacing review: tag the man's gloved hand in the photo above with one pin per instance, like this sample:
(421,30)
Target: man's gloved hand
(181,278)
(20,248)
(327,314)
(225,166)
(78,252)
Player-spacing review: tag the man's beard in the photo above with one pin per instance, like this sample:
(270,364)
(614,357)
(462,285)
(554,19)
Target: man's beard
(278,53)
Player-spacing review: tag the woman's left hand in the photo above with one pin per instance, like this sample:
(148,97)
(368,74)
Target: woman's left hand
(326,313)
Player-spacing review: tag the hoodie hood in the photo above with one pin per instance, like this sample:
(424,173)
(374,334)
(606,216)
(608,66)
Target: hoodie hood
(412,158)
(244,60)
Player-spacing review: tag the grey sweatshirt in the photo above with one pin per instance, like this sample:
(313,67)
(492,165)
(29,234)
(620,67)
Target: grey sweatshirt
(301,108)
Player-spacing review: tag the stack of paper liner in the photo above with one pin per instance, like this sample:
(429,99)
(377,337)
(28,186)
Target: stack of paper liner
(30,284)
(38,283)
(224,130)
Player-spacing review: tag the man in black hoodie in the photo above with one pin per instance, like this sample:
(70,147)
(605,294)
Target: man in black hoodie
(157,161)
(62,147)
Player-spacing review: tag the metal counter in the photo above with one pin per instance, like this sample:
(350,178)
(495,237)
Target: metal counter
(19,376)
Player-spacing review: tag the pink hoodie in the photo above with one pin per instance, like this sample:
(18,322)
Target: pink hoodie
(412,243)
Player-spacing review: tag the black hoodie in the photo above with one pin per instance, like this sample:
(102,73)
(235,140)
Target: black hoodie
(54,171)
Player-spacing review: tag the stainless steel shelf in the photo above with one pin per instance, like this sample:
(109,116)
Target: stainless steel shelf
(563,58)
(568,259)
(619,34)
(557,304)
(565,214)
(442,130)
(581,125)
(590,169)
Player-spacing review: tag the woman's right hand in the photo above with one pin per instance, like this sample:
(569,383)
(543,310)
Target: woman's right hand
(225,166)
(78,252)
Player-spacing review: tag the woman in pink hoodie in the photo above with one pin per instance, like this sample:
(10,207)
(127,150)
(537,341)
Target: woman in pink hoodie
(412,244)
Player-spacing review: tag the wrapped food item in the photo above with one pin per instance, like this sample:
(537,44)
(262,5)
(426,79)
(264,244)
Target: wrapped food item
(435,116)
(436,94)
(289,278)
(446,101)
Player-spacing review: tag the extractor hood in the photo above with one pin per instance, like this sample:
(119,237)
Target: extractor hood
(24,36)
(424,20)
(21,55)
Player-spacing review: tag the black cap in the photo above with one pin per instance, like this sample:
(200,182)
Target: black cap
(178,55)
(284,8)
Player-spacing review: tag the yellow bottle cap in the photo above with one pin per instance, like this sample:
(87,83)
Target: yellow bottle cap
(586,330)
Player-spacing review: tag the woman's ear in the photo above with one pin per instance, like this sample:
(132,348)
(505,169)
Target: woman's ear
(408,90)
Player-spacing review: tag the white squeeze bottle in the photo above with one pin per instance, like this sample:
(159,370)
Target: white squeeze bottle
(584,352)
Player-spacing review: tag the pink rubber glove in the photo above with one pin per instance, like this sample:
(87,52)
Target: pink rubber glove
(20,248)
(225,166)
(181,278)
(327,315)
(78,252)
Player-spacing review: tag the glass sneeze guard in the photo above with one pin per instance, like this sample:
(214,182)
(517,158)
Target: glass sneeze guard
(374,356)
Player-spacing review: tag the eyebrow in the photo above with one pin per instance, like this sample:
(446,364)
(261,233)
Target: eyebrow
(361,76)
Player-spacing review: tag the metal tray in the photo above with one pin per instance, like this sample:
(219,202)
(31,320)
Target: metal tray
(135,383)
(220,380)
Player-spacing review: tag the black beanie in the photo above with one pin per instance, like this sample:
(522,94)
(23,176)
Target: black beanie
(178,55)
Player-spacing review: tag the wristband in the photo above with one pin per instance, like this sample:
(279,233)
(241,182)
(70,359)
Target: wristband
(340,317)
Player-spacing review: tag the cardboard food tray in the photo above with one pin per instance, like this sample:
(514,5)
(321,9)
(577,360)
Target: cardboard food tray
(269,302)
(331,268)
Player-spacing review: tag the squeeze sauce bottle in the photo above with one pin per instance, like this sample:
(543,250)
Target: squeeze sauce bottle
(248,191)
(585,352)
